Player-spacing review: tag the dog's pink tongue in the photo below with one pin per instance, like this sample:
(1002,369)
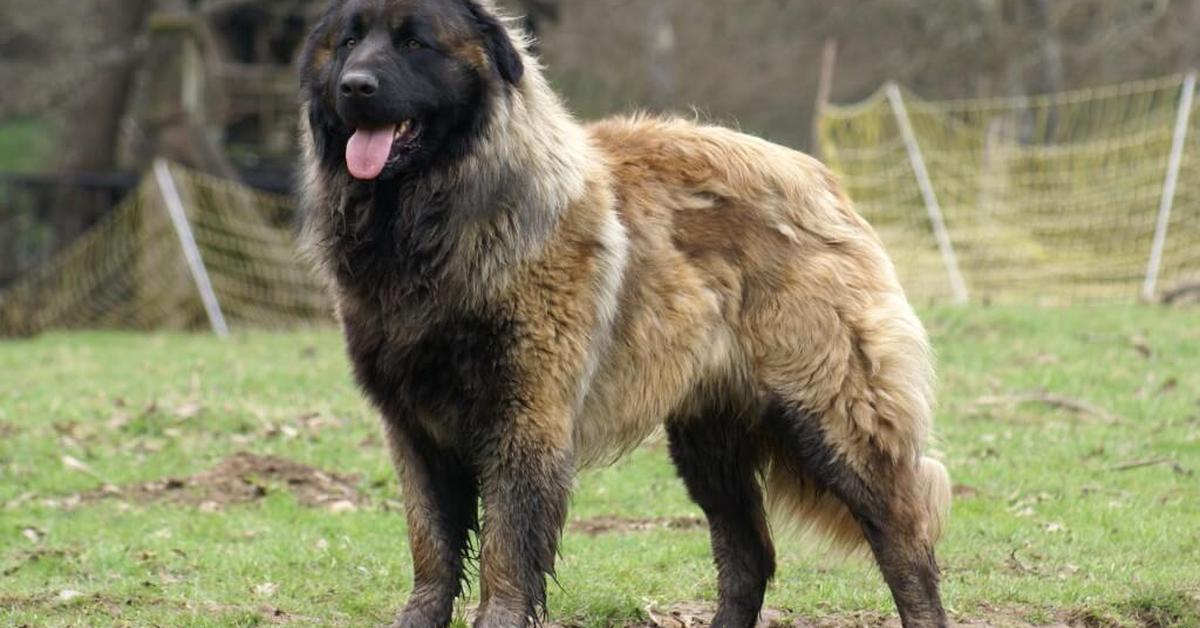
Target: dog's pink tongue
(368,151)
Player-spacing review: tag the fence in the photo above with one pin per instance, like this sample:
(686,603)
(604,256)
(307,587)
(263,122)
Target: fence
(1087,196)
(26,239)
(183,251)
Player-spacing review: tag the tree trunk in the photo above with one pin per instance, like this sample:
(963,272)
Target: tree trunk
(93,117)
(1050,66)
(1190,53)
(660,49)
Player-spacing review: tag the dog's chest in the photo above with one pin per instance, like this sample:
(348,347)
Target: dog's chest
(454,370)
(392,247)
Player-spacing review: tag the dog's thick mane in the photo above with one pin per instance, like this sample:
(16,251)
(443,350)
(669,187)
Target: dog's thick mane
(473,220)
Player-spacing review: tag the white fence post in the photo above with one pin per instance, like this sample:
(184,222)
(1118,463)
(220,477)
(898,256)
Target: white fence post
(1183,120)
(191,252)
(957,285)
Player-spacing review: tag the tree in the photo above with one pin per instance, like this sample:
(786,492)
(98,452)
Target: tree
(660,54)
(96,108)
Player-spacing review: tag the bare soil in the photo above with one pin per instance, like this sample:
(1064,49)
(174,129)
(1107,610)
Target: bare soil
(241,479)
(616,525)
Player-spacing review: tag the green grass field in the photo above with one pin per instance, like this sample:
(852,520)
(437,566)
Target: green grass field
(1073,437)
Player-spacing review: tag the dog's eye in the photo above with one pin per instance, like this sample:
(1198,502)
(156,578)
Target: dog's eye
(350,43)
(413,44)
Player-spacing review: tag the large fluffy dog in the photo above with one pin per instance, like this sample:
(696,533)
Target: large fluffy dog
(522,295)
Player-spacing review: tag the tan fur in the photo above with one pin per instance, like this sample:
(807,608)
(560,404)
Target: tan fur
(737,260)
(748,264)
(656,264)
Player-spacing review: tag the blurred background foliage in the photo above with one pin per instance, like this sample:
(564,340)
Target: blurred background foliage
(750,62)
(82,79)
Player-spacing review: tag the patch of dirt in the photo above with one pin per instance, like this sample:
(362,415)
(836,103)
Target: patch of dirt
(49,601)
(609,525)
(1078,407)
(684,615)
(700,615)
(965,491)
(28,557)
(1187,293)
(113,607)
(244,478)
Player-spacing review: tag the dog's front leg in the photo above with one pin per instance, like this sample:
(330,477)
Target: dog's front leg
(440,501)
(526,483)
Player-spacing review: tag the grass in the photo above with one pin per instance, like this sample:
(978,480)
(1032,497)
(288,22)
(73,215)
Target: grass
(1061,515)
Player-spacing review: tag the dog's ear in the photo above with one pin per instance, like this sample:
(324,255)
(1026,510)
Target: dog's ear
(317,51)
(315,66)
(499,45)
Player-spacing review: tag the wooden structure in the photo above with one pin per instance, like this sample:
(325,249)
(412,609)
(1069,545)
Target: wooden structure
(218,89)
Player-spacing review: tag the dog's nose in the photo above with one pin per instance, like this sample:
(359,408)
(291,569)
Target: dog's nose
(361,85)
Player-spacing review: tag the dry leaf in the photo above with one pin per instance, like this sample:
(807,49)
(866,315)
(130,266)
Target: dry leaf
(188,410)
(962,490)
(77,465)
(118,421)
(66,595)
(343,506)
(1142,346)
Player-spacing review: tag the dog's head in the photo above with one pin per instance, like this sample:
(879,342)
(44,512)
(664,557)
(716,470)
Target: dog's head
(397,86)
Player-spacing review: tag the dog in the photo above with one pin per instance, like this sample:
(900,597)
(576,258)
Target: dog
(523,296)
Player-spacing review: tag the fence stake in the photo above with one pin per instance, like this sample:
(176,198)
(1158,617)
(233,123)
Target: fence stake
(1182,121)
(824,90)
(170,194)
(957,285)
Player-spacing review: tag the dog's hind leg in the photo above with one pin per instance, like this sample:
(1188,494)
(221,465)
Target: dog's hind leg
(718,459)
(441,503)
(896,503)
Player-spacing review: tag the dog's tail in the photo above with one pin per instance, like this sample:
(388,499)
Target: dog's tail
(936,491)
(797,504)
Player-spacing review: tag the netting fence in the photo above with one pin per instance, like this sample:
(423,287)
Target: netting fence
(1080,197)
(227,247)
(1088,196)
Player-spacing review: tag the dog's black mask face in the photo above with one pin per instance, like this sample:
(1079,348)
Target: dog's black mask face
(399,86)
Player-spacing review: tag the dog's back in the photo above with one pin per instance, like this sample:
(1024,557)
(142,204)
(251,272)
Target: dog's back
(751,285)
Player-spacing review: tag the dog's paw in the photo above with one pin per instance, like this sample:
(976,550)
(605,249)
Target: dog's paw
(420,616)
(495,616)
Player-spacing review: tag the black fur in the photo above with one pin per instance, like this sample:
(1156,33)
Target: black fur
(504,55)
(447,97)
(803,447)
(451,484)
(908,565)
(719,458)
(394,247)
(443,377)
(450,389)
(525,504)
(455,370)
(456,375)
